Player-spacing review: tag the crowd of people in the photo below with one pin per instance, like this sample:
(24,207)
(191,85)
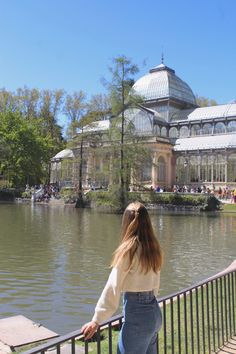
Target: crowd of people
(223,193)
(43,192)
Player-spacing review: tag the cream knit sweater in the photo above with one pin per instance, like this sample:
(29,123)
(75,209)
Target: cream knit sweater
(122,279)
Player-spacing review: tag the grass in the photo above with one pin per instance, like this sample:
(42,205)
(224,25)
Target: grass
(229,208)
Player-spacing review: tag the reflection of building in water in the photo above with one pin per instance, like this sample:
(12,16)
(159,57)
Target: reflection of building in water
(188,144)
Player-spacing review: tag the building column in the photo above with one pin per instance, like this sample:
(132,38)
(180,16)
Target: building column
(226,168)
(154,170)
(199,168)
(212,169)
(168,178)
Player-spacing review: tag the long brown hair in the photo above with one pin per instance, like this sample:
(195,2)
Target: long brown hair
(137,230)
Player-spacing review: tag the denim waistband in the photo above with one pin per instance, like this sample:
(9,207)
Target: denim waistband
(146,295)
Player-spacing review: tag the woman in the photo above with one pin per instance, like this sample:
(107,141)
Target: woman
(135,272)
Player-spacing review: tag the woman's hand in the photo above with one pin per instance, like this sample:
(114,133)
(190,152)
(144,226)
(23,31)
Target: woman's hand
(89,329)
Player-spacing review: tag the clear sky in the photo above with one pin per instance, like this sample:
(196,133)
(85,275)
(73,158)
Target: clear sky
(69,44)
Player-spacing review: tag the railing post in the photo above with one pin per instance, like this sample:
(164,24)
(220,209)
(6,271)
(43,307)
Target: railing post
(172,326)
(179,323)
(191,320)
(203,319)
(213,314)
(198,325)
(185,324)
(208,317)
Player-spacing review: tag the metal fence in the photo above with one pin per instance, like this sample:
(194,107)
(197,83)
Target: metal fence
(197,320)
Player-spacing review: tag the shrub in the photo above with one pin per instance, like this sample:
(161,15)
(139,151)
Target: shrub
(110,198)
(7,195)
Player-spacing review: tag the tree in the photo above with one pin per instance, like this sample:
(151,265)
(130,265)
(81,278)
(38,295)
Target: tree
(121,98)
(99,107)
(25,155)
(7,101)
(205,102)
(74,109)
(81,116)
(28,102)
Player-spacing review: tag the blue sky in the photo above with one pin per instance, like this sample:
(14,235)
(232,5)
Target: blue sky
(69,44)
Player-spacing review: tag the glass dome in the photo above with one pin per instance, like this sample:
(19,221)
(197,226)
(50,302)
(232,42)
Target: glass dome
(161,82)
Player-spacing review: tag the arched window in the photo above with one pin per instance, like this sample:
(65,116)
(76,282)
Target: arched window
(163,131)
(207,129)
(205,169)
(231,168)
(180,170)
(184,132)
(219,128)
(157,130)
(161,169)
(193,169)
(219,168)
(173,133)
(195,130)
(232,126)
(146,171)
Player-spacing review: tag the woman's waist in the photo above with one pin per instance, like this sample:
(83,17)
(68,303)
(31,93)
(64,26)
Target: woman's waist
(141,296)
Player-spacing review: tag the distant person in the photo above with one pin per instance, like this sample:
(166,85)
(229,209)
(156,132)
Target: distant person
(232,196)
(220,192)
(235,195)
(135,272)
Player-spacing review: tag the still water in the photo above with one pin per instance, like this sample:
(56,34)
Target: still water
(54,260)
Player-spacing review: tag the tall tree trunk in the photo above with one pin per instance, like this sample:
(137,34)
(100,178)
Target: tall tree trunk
(122,179)
(80,200)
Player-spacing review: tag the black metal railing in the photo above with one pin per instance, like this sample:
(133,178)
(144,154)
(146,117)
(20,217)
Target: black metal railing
(197,320)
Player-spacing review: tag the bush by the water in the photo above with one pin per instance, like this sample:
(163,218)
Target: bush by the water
(8,194)
(205,202)
(68,195)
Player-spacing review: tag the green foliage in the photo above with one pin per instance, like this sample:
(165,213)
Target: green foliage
(106,199)
(69,195)
(26,195)
(26,152)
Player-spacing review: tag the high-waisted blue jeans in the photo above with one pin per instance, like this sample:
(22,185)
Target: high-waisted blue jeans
(142,321)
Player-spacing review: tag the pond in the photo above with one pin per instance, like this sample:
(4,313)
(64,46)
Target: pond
(54,260)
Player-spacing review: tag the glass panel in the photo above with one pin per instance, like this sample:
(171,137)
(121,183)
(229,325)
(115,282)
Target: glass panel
(195,130)
(193,169)
(163,131)
(219,128)
(173,133)
(184,132)
(180,170)
(157,130)
(219,169)
(146,171)
(231,126)
(207,129)
(231,168)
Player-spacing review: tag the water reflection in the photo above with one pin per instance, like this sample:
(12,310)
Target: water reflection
(54,261)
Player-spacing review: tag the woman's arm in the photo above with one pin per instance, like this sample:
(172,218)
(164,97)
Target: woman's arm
(110,298)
